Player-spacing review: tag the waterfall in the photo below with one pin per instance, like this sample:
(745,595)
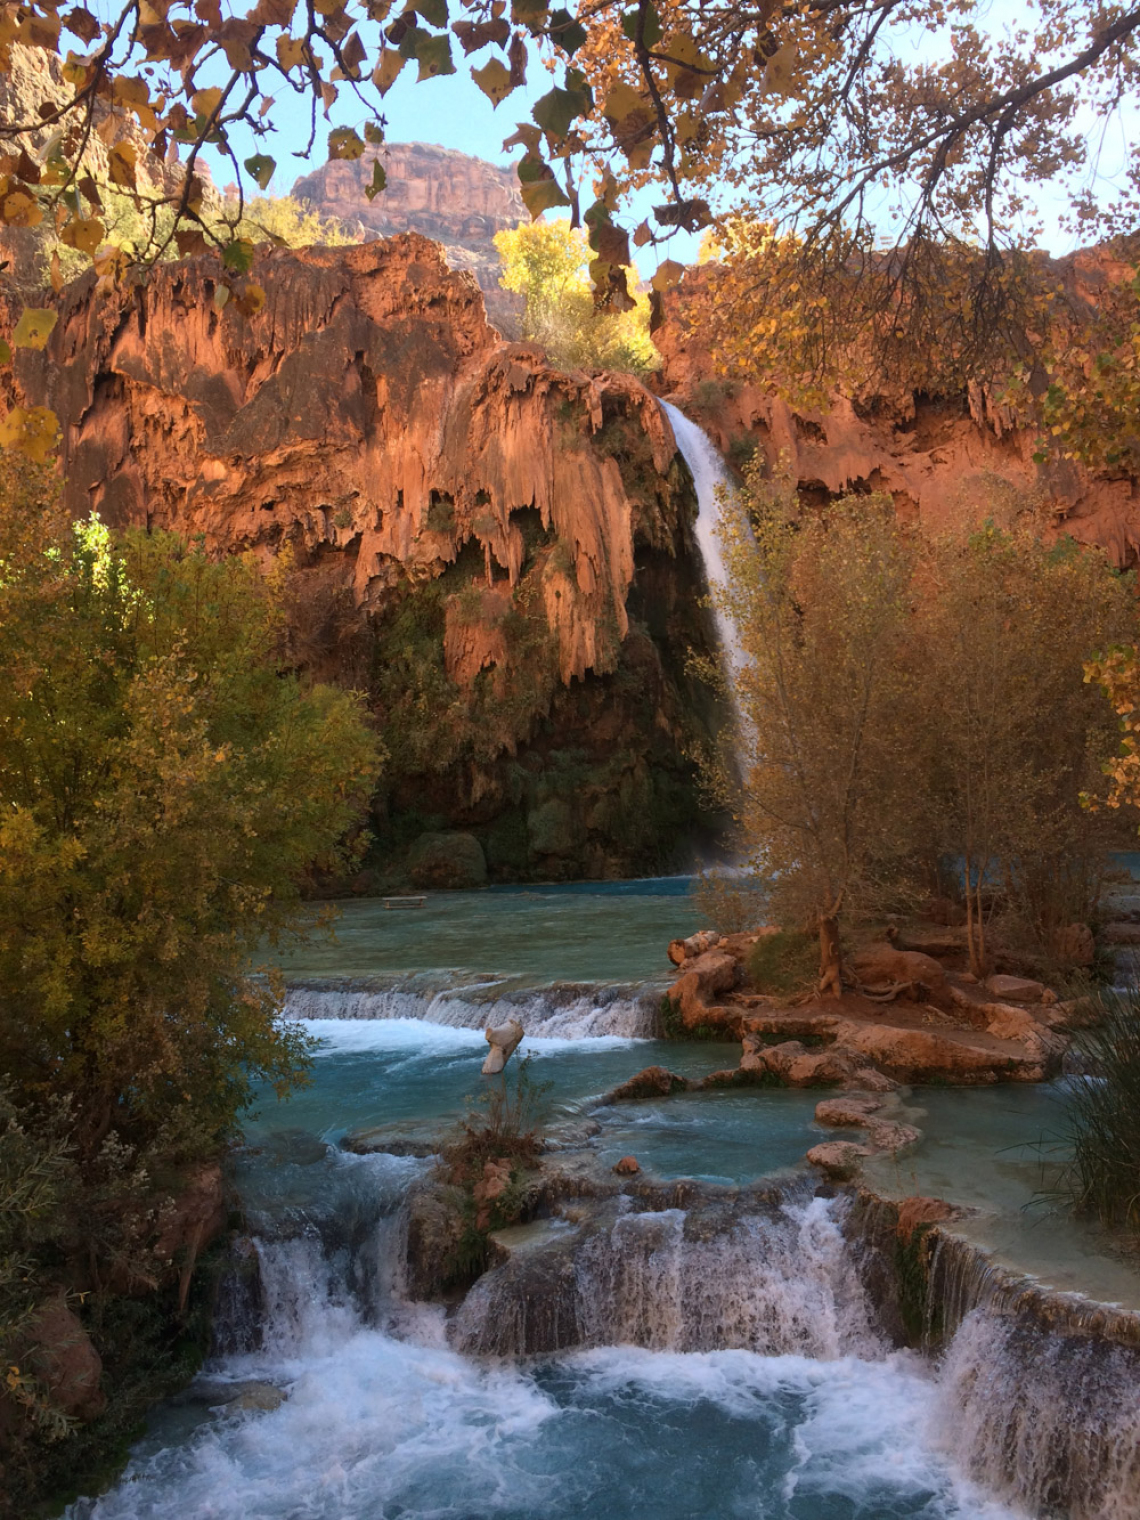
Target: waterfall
(777,1282)
(559,1011)
(708,472)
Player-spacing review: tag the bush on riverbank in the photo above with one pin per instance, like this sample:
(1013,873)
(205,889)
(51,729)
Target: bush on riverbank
(165,784)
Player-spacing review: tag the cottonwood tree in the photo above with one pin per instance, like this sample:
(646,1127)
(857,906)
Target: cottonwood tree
(831,120)
(830,758)
(1005,625)
(546,262)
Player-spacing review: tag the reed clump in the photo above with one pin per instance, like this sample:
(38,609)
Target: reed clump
(1103,1178)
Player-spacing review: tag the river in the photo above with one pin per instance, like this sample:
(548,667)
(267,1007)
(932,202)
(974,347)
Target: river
(738,1375)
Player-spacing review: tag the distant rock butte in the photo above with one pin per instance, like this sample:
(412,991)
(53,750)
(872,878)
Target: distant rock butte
(456,199)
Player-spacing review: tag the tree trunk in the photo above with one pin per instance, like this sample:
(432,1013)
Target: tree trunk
(830,961)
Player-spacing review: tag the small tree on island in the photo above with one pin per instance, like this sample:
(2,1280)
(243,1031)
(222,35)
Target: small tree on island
(826,686)
(912,711)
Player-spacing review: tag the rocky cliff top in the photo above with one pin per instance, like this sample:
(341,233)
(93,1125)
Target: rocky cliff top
(451,197)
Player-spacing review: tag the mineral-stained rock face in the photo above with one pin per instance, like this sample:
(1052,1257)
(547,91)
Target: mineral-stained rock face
(498,551)
(458,200)
(948,463)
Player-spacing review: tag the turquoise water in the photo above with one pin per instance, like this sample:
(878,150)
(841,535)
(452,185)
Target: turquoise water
(587,932)
(385,1421)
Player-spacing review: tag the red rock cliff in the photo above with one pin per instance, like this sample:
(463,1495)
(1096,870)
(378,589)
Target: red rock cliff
(948,463)
(531,524)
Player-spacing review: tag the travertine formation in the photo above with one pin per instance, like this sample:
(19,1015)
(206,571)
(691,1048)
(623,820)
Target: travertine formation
(453,198)
(370,419)
(947,463)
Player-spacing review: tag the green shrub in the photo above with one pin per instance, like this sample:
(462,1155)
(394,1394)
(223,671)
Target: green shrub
(784,963)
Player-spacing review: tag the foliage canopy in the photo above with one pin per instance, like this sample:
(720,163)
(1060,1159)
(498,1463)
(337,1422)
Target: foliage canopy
(883,136)
(164,786)
(547,263)
(908,703)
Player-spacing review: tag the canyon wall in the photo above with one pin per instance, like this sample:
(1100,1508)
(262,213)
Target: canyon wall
(498,553)
(455,199)
(948,462)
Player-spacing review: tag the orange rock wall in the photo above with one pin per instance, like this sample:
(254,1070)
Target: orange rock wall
(948,464)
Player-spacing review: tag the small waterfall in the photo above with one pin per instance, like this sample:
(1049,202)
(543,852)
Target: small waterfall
(708,472)
(776,1282)
(1044,1419)
(560,1011)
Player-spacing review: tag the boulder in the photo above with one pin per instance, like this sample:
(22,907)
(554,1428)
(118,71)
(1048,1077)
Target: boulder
(448,861)
(715,971)
(844,1111)
(263,1397)
(628,1166)
(58,1350)
(503,1041)
(653,1082)
(1007,1023)
(1074,945)
(838,1158)
(1016,989)
(916,1055)
(887,1135)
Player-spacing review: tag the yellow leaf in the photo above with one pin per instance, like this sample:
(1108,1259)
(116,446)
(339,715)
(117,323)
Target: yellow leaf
(121,163)
(34,327)
(494,79)
(20,210)
(290,52)
(385,72)
(55,273)
(668,273)
(206,102)
(622,100)
(33,433)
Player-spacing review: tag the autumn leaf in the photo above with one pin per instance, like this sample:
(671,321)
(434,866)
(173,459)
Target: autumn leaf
(19,209)
(34,327)
(434,57)
(84,233)
(385,73)
(121,164)
(290,52)
(379,180)
(345,143)
(494,79)
(261,167)
(238,255)
(33,432)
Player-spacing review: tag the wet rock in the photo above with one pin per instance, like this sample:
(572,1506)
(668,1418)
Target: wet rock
(394,1140)
(838,1158)
(652,1082)
(917,1211)
(887,1135)
(1016,989)
(263,1397)
(844,1111)
(451,860)
(503,1040)
(60,1353)
(628,1166)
